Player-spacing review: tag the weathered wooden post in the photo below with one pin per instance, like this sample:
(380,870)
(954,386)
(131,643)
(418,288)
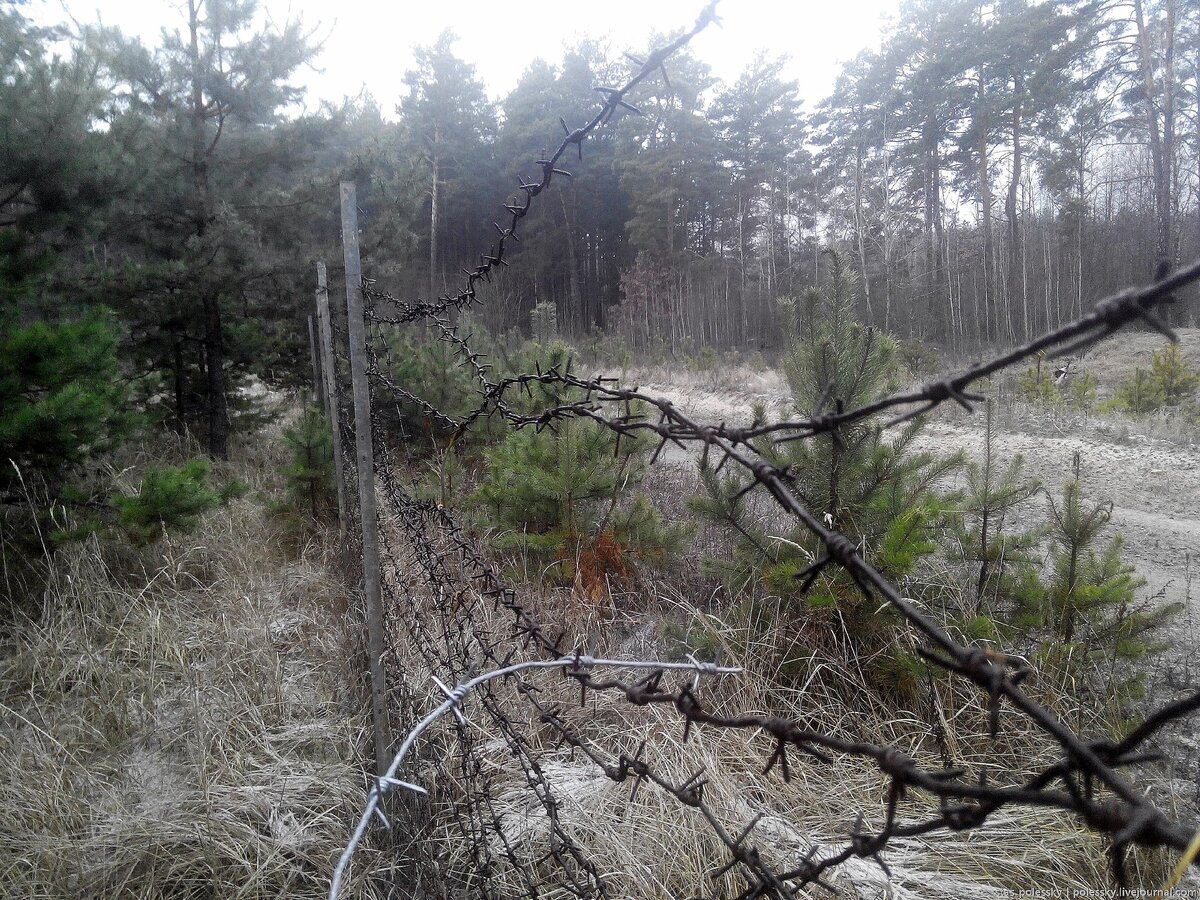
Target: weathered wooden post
(312,358)
(365,459)
(329,376)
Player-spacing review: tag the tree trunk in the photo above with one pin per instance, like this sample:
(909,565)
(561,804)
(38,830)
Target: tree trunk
(1016,263)
(576,316)
(859,229)
(991,328)
(177,375)
(933,234)
(434,203)
(1162,134)
(214,336)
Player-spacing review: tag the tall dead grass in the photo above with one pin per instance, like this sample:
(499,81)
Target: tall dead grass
(181,720)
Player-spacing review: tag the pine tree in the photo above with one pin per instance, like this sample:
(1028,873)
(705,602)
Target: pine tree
(432,374)
(1036,384)
(1171,375)
(1139,394)
(1087,604)
(992,494)
(447,124)
(171,498)
(567,494)
(881,494)
(192,229)
(62,399)
(310,474)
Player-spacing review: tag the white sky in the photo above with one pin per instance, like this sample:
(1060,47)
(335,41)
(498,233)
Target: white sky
(370,43)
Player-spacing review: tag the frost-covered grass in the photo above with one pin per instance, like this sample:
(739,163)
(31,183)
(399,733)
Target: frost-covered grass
(180,720)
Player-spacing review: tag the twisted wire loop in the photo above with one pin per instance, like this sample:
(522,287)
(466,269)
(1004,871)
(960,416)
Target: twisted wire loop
(467,657)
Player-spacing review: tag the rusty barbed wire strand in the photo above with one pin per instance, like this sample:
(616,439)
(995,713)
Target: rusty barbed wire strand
(616,770)
(973,802)
(466,647)
(1129,819)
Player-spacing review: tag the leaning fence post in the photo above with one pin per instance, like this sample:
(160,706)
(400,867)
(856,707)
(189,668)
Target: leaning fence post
(328,375)
(364,457)
(312,358)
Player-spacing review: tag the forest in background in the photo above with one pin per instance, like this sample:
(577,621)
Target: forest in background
(991,170)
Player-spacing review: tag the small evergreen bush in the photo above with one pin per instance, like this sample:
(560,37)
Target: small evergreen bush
(543,323)
(1086,606)
(430,372)
(1171,376)
(567,495)
(706,360)
(1036,385)
(310,474)
(999,556)
(62,398)
(1170,382)
(1138,395)
(919,359)
(171,498)
(1081,389)
(880,493)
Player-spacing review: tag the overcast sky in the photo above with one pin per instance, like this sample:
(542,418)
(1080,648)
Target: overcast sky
(370,43)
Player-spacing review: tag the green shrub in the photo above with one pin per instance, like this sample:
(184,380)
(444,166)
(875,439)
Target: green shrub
(1171,375)
(310,475)
(1036,385)
(425,377)
(567,494)
(1086,606)
(1138,395)
(609,350)
(543,322)
(1169,383)
(62,398)
(706,360)
(879,493)
(998,555)
(919,359)
(171,498)
(1082,391)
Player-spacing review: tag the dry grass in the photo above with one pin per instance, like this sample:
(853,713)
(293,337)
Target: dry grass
(181,720)
(653,847)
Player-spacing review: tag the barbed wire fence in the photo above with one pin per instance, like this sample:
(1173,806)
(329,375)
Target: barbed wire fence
(458,662)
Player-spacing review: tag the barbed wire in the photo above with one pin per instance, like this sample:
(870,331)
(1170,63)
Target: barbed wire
(422,519)
(964,804)
(576,666)
(456,633)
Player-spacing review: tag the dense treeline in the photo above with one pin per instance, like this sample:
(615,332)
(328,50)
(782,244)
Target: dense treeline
(993,169)
(989,171)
